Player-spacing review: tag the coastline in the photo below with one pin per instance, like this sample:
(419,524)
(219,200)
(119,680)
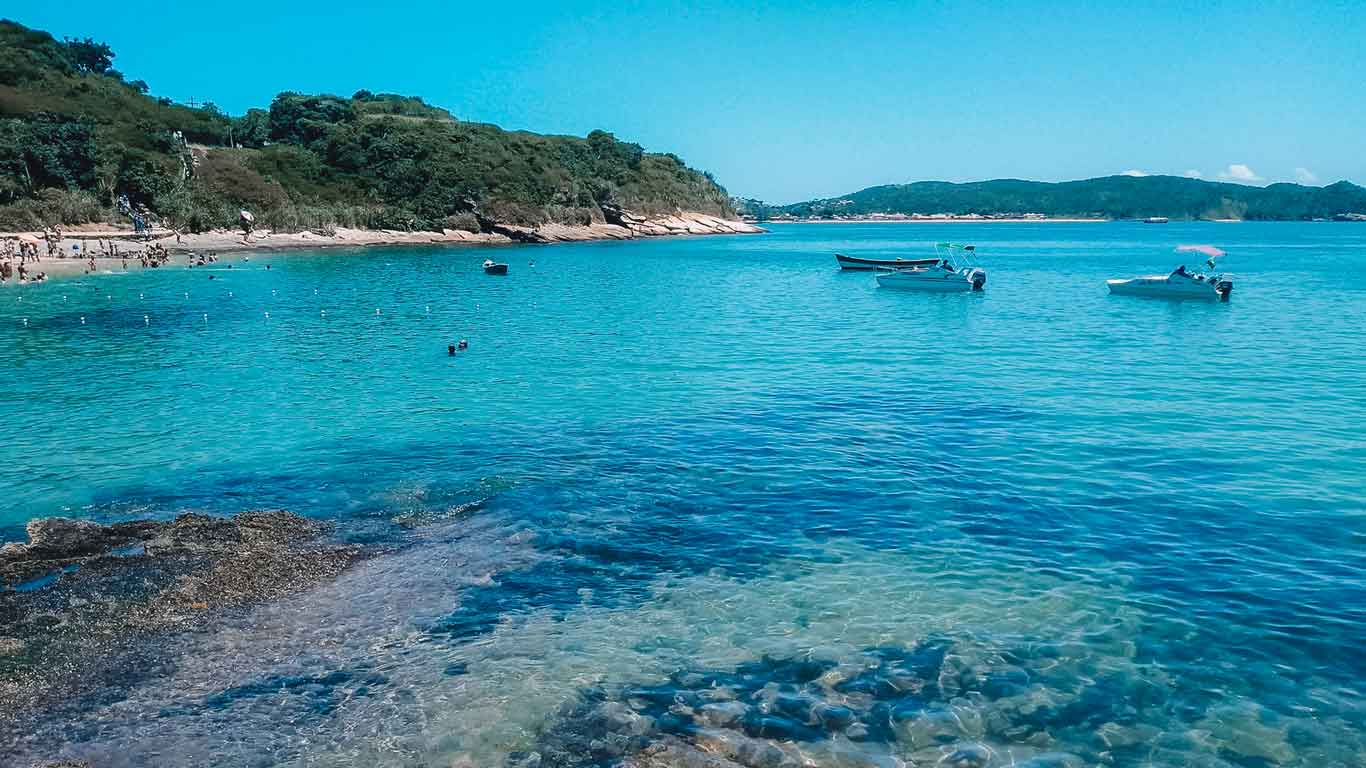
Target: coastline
(942,220)
(80,244)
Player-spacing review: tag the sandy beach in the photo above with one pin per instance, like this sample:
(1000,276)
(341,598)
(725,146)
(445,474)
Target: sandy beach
(120,249)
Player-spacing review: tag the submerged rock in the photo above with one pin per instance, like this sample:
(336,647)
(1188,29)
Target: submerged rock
(85,603)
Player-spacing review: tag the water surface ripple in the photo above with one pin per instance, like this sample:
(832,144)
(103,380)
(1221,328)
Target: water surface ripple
(1131,532)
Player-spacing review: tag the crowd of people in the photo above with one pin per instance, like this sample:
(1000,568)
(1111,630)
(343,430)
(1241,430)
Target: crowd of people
(15,261)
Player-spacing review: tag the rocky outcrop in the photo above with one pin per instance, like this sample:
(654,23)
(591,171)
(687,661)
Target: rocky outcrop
(82,601)
(620,225)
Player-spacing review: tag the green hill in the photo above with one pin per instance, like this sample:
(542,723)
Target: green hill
(75,137)
(1113,197)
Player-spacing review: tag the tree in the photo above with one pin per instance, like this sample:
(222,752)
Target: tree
(89,57)
(252,129)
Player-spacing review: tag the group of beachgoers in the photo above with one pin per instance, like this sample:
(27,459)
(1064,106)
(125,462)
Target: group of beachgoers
(17,255)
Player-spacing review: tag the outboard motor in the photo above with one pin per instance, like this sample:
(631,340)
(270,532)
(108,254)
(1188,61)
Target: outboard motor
(1224,288)
(979,279)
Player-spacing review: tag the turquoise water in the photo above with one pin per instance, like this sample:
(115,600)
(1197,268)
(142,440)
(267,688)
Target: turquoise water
(1138,527)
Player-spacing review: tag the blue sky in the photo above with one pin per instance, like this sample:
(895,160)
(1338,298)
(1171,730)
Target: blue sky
(794,100)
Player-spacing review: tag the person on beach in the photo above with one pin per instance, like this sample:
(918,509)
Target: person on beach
(248,223)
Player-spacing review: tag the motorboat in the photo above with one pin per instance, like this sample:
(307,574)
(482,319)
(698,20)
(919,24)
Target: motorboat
(1181,283)
(492,267)
(951,270)
(872,265)
(1156,220)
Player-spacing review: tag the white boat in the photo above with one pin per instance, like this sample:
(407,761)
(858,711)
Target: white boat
(1180,284)
(953,270)
(1156,220)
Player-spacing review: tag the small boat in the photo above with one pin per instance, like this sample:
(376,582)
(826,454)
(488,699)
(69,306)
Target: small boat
(939,274)
(492,267)
(872,265)
(1156,220)
(1180,284)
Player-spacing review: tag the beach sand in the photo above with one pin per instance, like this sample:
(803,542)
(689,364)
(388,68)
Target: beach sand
(78,244)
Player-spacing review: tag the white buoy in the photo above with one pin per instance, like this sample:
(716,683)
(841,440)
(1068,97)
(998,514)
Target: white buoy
(323,313)
(315,291)
(206,317)
(272,291)
(187,295)
(26,322)
(230,294)
(376,310)
(141,297)
(82,320)
(429,309)
(63,298)
(267,315)
(146,320)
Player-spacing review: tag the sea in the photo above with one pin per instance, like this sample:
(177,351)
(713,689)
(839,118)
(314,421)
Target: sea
(713,493)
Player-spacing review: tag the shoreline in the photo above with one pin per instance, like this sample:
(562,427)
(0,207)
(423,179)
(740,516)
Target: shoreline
(80,245)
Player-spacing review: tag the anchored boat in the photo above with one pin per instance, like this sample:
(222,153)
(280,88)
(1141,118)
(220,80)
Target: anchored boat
(492,267)
(952,270)
(872,265)
(1181,283)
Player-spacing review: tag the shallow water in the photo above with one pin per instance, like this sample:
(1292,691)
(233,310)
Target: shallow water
(1146,517)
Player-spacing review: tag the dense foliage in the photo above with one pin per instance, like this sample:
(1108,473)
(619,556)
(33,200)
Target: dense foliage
(1115,197)
(75,137)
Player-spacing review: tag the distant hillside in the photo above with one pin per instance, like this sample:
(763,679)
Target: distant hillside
(1112,197)
(76,137)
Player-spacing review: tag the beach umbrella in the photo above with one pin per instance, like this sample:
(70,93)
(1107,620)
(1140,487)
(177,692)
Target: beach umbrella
(246,216)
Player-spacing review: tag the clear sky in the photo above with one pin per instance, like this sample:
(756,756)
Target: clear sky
(794,100)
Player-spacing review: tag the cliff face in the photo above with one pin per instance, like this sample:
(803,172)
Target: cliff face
(78,143)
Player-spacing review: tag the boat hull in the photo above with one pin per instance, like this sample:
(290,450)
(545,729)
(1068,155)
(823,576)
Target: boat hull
(496,269)
(1164,288)
(928,280)
(854,263)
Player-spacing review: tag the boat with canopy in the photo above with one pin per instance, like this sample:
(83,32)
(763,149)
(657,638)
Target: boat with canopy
(953,269)
(1181,283)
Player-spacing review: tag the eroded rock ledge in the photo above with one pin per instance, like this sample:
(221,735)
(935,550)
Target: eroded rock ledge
(83,601)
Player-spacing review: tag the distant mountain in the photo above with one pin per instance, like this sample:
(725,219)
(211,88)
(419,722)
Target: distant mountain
(1111,197)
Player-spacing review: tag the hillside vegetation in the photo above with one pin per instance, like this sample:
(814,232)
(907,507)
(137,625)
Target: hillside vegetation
(76,136)
(1113,197)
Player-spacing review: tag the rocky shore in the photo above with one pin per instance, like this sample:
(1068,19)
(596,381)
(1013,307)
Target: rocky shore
(79,245)
(83,602)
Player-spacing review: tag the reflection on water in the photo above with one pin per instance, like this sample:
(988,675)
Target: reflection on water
(670,479)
